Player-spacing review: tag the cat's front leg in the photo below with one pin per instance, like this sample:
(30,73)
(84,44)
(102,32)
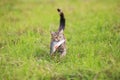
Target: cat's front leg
(63,53)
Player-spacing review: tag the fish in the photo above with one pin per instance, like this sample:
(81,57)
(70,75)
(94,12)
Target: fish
(54,45)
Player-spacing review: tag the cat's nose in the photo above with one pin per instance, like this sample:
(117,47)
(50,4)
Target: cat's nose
(56,40)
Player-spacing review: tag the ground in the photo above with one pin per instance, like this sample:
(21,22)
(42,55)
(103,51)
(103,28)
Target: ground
(92,32)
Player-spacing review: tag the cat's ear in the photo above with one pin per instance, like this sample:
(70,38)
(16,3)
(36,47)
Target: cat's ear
(51,32)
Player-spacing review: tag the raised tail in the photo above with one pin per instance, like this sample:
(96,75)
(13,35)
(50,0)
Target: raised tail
(62,20)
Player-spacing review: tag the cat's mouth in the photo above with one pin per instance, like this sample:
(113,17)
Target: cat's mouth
(56,40)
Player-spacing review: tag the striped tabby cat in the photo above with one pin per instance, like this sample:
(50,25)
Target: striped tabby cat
(58,36)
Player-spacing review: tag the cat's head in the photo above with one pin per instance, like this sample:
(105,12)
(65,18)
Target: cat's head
(57,36)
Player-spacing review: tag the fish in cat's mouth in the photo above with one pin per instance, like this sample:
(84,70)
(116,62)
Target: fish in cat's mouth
(56,44)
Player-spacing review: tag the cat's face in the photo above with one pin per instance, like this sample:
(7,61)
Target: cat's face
(56,36)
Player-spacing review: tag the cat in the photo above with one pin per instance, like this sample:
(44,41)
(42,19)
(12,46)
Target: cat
(59,36)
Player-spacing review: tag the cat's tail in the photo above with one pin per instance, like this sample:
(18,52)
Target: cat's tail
(62,20)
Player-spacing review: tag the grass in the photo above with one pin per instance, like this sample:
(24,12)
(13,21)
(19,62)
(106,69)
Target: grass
(92,32)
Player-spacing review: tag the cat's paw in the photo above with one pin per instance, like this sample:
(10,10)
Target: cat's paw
(62,55)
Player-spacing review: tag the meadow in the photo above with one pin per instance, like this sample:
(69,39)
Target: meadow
(92,32)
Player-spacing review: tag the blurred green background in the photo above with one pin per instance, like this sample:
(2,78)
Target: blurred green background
(92,32)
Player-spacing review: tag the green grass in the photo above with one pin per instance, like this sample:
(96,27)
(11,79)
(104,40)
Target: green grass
(92,32)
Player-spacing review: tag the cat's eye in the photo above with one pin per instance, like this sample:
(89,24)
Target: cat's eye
(60,36)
